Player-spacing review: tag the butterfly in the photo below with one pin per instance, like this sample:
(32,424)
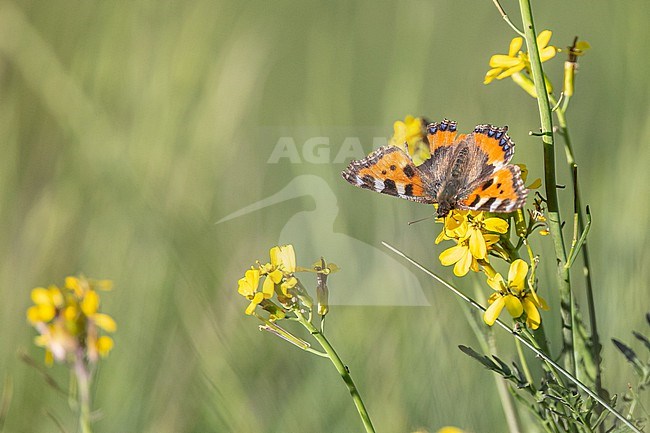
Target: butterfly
(465,171)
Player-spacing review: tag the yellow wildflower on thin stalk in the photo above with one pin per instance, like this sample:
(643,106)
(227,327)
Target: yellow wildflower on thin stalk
(72,330)
(294,302)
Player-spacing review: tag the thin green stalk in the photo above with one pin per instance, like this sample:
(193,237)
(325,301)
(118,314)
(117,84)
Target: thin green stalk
(554,220)
(516,334)
(485,338)
(523,362)
(83,384)
(341,368)
(591,306)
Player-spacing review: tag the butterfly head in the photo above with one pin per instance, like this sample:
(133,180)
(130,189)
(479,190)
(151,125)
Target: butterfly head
(445,206)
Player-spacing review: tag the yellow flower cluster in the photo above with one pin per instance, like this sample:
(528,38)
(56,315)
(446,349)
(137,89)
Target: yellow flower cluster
(279,280)
(476,236)
(68,320)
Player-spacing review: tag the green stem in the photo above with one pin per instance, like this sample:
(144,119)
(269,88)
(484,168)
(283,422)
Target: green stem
(591,306)
(554,219)
(523,362)
(486,340)
(83,384)
(341,368)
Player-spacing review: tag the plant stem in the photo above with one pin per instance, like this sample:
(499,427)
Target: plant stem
(341,368)
(591,307)
(486,340)
(554,219)
(83,383)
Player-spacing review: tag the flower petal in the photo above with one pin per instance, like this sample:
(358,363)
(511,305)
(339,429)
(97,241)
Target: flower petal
(511,71)
(462,266)
(477,244)
(40,295)
(105,322)
(515,46)
(285,256)
(503,61)
(491,75)
(452,255)
(496,225)
(513,305)
(533,319)
(268,288)
(517,275)
(543,38)
(276,276)
(104,345)
(253,278)
(90,303)
(547,53)
(492,313)
(497,283)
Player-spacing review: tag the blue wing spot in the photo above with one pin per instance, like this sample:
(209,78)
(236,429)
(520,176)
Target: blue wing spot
(443,126)
(503,142)
(506,147)
(432,129)
(491,133)
(499,135)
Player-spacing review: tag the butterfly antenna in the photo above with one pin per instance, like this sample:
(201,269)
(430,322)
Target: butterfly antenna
(420,220)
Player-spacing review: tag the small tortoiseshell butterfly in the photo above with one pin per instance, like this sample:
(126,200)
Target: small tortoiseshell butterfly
(466,171)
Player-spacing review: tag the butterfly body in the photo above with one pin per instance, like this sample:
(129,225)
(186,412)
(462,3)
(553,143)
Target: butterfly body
(466,171)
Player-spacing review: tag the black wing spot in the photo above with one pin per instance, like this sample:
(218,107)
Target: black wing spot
(488,203)
(393,167)
(408,171)
(408,189)
(487,184)
(475,201)
(389,187)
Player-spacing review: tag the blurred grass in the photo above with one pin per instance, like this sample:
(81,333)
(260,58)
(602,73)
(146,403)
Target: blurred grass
(129,128)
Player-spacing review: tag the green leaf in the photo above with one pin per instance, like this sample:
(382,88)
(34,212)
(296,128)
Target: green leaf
(643,339)
(487,362)
(630,355)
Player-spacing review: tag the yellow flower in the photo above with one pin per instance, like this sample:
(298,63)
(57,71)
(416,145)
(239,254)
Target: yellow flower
(454,224)
(450,430)
(505,65)
(46,301)
(515,296)
(249,284)
(460,256)
(68,320)
(283,257)
(474,234)
(479,238)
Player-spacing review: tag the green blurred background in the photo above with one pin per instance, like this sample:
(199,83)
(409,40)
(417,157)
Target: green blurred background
(129,128)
